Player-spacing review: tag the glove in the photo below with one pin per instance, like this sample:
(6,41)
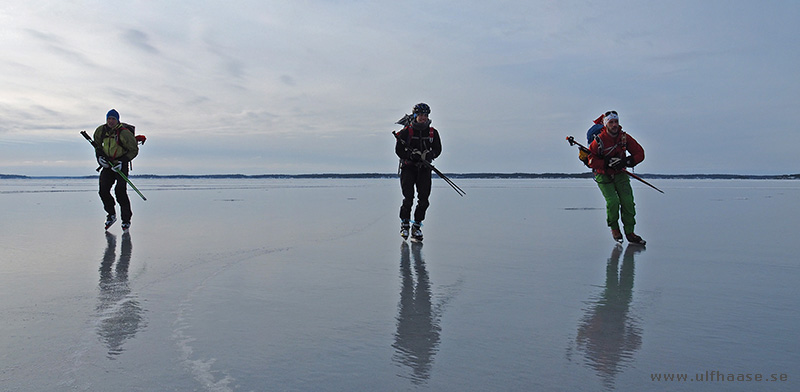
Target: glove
(629,161)
(616,163)
(416,155)
(427,155)
(103,162)
(118,166)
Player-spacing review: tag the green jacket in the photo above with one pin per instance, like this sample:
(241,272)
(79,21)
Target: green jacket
(119,144)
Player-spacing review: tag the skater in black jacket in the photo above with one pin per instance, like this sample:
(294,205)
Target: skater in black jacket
(418,144)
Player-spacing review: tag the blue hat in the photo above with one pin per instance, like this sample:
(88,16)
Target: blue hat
(113,113)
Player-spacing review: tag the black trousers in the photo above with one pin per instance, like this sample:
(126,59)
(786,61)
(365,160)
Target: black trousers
(412,177)
(107,179)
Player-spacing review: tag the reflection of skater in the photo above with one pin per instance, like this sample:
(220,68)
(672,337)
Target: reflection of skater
(418,144)
(120,312)
(418,328)
(607,335)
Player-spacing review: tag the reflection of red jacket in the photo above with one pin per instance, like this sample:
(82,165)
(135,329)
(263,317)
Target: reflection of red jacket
(606,146)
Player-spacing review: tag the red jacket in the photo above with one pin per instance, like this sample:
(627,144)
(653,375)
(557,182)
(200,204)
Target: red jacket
(606,146)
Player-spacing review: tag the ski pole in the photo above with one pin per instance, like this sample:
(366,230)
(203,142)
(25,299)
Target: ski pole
(572,142)
(435,170)
(448,180)
(121,174)
(642,180)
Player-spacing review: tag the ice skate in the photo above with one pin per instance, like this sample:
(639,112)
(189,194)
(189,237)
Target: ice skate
(416,233)
(617,235)
(110,219)
(635,239)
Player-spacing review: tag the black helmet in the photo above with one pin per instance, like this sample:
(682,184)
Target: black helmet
(422,108)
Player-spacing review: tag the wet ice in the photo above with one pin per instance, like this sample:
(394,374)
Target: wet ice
(240,284)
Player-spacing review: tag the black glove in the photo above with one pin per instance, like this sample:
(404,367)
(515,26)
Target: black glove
(629,161)
(416,155)
(616,163)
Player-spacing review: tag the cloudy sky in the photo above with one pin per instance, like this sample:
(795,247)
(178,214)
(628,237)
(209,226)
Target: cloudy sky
(309,86)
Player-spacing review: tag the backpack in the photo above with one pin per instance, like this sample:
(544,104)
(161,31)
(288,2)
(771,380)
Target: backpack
(595,130)
(139,138)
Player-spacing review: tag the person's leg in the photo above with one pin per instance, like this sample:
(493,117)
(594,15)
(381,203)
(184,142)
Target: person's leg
(407,179)
(107,177)
(627,206)
(609,191)
(423,194)
(121,192)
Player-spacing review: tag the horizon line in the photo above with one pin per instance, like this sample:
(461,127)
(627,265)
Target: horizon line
(476,175)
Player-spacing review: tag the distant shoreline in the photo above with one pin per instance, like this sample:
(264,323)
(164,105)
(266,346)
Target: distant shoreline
(451,175)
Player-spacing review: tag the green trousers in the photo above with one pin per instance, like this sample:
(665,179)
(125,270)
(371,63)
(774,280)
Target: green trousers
(619,198)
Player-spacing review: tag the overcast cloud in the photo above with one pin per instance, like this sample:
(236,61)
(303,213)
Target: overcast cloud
(309,86)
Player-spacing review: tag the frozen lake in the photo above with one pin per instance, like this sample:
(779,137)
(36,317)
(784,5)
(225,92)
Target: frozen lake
(305,285)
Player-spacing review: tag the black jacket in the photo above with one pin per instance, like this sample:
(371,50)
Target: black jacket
(426,139)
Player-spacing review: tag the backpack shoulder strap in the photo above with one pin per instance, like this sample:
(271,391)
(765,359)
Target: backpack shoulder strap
(600,146)
(623,141)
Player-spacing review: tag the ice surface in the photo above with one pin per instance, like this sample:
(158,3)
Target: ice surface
(245,284)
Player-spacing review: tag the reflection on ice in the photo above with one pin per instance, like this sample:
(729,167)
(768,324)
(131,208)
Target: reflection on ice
(281,284)
(608,336)
(417,337)
(121,315)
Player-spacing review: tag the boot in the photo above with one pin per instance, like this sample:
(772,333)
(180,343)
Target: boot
(617,235)
(404,227)
(635,239)
(416,232)
(110,219)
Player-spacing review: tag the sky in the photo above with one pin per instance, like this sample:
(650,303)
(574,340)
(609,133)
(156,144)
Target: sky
(311,86)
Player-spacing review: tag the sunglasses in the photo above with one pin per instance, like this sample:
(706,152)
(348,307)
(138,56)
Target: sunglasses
(610,112)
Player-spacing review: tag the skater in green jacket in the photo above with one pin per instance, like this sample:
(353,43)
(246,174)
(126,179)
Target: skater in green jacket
(119,147)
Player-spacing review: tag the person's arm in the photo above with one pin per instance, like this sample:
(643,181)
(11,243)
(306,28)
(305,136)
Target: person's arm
(436,148)
(636,151)
(400,148)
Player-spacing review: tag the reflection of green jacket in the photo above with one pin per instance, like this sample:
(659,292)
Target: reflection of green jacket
(119,144)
